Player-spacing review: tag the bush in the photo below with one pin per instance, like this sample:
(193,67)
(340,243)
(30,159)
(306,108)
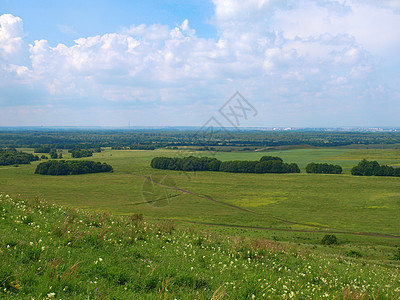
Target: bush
(329,239)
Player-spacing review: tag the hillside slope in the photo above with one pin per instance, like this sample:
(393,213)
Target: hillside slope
(47,251)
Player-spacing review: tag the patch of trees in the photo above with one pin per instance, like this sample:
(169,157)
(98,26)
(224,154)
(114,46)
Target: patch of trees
(267,164)
(238,166)
(190,163)
(78,153)
(47,149)
(14,157)
(276,166)
(54,154)
(373,168)
(323,168)
(42,149)
(62,167)
(143,147)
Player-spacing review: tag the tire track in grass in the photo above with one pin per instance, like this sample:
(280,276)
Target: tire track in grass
(232,205)
(203,196)
(383,235)
(154,201)
(322,228)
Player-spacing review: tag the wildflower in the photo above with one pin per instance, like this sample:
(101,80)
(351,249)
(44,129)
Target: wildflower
(16,286)
(51,295)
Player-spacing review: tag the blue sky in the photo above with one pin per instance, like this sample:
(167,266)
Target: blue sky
(64,21)
(306,63)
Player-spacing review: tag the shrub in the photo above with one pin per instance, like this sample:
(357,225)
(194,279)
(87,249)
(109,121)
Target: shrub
(329,239)
(397,254)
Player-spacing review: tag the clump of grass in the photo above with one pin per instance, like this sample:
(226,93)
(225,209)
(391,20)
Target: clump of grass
(354,253)
(165,227)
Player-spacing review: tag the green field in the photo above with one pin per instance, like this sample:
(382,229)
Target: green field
(301,207)
(232,235)
(53,252)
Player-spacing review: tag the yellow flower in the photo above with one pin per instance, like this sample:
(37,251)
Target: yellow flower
(16,286)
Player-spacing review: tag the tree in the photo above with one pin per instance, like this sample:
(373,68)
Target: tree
(372,168)
(53,154)
(267,158)
(323,168)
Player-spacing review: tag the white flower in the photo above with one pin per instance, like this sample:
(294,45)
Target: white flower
(51,295)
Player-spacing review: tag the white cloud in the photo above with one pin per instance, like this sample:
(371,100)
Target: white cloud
(12,46)
(290,53)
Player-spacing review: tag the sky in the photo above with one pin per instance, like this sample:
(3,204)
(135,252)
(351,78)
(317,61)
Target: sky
(298,63)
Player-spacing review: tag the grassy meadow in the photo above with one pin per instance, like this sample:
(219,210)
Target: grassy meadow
(300,207)
(281,216)
(53,252)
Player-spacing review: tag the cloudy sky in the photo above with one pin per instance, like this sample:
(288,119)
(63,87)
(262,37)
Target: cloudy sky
(302,63)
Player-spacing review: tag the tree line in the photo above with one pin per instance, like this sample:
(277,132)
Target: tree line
(159,138)
(373,168)
(72,167)
(14,157)
(323,168)
(267,164)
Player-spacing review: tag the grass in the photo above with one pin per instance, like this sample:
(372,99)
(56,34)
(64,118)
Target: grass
(48,251)
(281,206)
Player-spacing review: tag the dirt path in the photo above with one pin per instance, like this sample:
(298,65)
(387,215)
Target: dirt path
(322,228)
